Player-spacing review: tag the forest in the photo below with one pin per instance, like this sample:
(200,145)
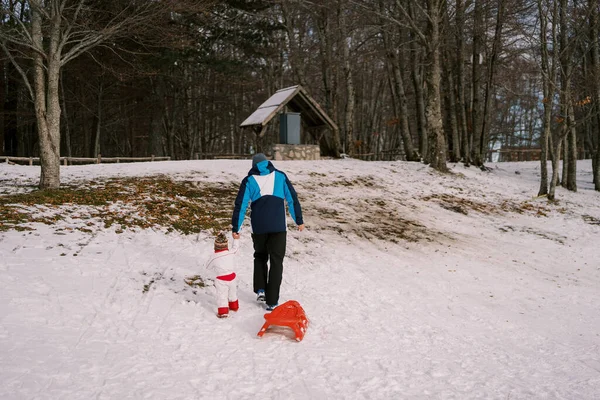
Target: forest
(431,81)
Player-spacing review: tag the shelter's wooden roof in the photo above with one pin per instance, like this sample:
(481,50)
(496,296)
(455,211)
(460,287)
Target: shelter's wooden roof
(297,100)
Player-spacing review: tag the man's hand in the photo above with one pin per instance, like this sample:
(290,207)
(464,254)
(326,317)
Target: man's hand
(301,227)
(235,235)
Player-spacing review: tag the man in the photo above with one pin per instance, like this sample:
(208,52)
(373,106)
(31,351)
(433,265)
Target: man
(266,188)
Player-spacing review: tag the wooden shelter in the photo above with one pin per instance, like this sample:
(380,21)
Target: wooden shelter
(294,99)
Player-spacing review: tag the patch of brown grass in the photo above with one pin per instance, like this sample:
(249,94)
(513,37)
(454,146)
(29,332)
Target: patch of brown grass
(459,204)
(361,181)
(372,218)
(525,207)
(182,206)
(464,206)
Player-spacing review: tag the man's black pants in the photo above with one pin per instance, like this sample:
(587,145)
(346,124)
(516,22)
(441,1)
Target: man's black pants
(269,248)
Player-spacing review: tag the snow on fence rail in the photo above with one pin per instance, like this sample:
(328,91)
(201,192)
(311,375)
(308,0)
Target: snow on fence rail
(84,160)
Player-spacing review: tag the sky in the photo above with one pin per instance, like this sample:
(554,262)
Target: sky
(417,285)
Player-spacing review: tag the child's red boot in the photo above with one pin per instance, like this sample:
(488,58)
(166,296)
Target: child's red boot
(234,305)
(223,312)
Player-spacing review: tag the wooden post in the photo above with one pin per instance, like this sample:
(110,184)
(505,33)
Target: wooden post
(152,157)
(65,161)
(30,160)
(99,160)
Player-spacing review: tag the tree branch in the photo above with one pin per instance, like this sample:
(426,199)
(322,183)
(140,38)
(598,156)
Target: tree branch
(67,32)
(15,17)
(19,69)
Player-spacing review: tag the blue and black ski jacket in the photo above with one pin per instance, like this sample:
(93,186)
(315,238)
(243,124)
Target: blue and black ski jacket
(266,189)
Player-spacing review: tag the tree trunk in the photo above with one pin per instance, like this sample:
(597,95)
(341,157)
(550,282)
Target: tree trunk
(433,109)
(449,90)
(489,90)
(544,152)
(596,170)
(572,150)
(155,133)
(329,86)
(547,118)
(190,126)
(349,117)
(233,122)
(66,119)
(350,91)
(565,157)
(295,50)
(478,33)
(419,95)
(549,80)
(47,108)
(450,98)
(375,115)
(595,50)
(555,158)
(3,82)
(547,77)
(460,84)
(11,105)
(566,60)
(399,93)
(98,121)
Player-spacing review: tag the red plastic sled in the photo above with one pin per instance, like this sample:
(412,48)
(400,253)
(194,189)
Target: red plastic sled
(289,314)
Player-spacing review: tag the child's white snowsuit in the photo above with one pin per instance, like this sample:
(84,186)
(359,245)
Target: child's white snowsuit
(221,267)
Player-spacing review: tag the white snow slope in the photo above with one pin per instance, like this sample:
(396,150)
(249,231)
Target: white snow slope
(417,285)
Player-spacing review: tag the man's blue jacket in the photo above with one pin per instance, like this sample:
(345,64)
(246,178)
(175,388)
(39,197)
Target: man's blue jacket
(266,189)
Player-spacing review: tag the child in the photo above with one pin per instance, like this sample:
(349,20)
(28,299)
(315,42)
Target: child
(222,265)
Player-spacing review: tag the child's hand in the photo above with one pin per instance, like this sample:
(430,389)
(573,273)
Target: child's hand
(235,235)
(301,227)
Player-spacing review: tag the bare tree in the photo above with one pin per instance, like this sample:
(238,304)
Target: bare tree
(460,83)
(595,55)
(429,37)
(476,74)
(489,85)
(557,35)
(548,68)
(397,88)
(57,32)
(567,48)
(324,30)
(345,42)
(416,69)
(294,21)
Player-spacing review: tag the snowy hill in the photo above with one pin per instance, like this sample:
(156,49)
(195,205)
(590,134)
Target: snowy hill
(417,285)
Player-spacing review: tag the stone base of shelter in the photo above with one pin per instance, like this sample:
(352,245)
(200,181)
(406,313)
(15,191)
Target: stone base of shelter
(283,152)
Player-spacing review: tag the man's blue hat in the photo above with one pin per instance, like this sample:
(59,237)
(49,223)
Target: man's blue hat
(258,158)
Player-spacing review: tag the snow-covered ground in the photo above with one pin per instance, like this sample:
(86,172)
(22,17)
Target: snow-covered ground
(417,286)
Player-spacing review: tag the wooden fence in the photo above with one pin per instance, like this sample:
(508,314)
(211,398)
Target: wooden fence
(84,160)
(224,156)
(529,154)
